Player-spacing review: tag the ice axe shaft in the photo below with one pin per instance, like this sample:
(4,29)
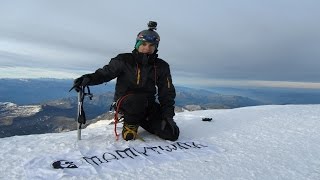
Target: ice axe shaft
(81,117)
(80,94)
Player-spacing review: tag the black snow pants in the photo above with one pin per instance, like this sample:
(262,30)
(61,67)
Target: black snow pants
(138,110)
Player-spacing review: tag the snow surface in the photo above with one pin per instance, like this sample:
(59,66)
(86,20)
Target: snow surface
(14,110)
(261,142)
(9,111)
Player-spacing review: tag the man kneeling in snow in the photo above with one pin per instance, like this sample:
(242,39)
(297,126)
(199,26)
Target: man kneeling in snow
(141,75)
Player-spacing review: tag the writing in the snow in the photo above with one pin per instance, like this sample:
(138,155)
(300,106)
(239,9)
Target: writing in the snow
(133,153)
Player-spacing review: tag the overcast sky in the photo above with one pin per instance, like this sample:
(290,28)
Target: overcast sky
(205,42)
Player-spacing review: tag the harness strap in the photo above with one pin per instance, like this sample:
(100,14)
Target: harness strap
(116,118)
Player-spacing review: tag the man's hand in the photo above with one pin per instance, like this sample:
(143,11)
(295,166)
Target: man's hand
(172,125)
(81,81)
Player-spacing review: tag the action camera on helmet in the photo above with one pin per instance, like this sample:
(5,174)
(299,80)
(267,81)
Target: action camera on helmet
(152,25)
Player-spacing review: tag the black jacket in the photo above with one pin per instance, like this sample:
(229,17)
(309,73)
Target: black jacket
(139,73)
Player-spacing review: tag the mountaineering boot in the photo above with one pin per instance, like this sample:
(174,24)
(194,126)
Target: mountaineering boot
(129,131)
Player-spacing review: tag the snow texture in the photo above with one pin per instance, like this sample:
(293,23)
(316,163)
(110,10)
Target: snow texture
(8,109)
(261,142)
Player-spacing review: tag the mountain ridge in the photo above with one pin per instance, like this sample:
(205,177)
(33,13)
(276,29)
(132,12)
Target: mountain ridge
(58,114)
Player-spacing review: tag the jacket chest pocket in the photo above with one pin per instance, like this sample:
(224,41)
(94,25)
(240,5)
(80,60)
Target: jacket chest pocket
(143,75)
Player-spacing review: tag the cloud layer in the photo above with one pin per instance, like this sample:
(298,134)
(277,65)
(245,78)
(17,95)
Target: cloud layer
(229,40)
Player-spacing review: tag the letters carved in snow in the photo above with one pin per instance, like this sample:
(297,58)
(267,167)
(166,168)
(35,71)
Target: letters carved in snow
(133,153)
(130,153)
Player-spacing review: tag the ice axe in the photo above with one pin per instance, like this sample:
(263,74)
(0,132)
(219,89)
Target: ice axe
(81,116)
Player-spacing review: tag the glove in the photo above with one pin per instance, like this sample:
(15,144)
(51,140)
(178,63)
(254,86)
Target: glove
(171,124)
(81,81)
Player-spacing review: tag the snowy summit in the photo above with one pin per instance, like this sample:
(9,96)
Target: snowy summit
(261,142)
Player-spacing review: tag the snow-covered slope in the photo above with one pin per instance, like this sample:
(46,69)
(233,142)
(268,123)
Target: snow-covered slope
(9,110)
(261,142)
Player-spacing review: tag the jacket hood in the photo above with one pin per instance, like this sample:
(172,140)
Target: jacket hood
(143,58)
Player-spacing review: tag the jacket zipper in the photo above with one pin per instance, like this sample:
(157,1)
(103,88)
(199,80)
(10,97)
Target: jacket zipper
(138,74)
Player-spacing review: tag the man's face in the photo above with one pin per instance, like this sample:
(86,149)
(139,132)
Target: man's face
(147,48)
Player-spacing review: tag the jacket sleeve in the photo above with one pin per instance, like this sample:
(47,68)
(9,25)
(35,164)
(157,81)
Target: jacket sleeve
(166,92)
(107,72)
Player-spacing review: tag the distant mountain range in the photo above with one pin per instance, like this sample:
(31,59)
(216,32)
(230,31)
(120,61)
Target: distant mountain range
(34,106)
(37,91)
(45,105)
(270,95)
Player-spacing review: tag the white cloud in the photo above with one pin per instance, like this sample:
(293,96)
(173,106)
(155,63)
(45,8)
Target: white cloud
(272,41)
(179,78)
(197,81)
(29,72)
